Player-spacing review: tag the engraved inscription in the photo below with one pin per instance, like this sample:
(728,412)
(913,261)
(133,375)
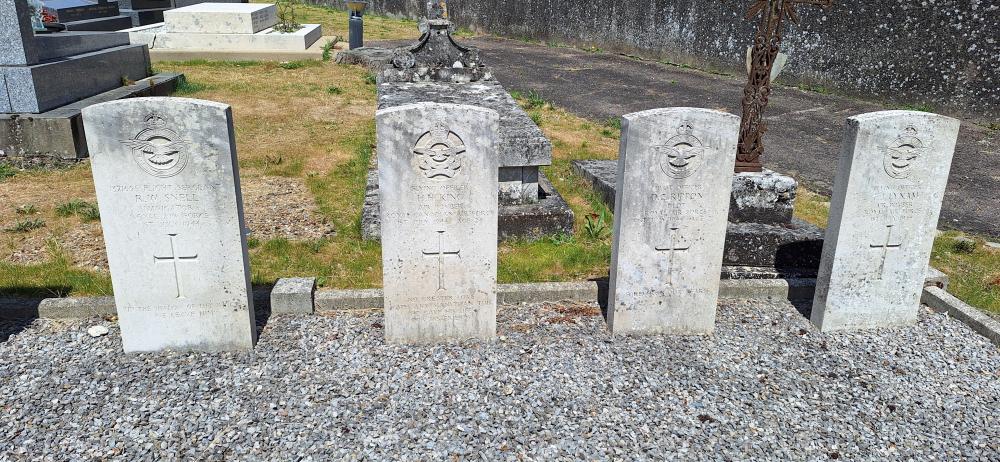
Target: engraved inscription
(158,150)
(174,259)
(902,153)
(438,154)
(440,254)
(675,243)
(884,248)
(682,154)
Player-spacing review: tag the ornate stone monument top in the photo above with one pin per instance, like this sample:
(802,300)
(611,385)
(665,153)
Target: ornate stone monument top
(436,56)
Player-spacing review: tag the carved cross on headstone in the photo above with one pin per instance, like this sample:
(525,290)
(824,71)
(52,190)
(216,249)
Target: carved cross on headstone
(672,246)
(884,247)
(440,254)
(175,259)
(765,49)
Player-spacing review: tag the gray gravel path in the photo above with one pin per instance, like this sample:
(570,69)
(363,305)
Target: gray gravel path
(555,387)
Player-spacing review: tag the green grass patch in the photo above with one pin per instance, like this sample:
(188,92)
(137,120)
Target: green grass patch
(87,211)
(974,272)
(334,90)
(212,63)
(972,267)
(6,171)
(26,225)
(55,278)
(300,64)
(277,164)
(920,107)
(186,87)
(28,209)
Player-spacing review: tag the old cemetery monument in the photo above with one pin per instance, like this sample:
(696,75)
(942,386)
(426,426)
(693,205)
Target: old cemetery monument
(168,187)
(49,77)
(672,200)
(437,168)
(145,12)
(225,27)
(883,219)
(438,69)
(86,15)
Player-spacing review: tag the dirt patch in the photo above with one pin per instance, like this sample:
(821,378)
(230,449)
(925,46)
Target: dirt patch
(276,207)
(279,207)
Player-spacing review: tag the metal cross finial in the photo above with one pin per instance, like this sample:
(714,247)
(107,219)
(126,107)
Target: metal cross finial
(175,259)
(440,253)
(765,49)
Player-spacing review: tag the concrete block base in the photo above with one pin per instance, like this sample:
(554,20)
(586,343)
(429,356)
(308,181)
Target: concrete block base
(293,296)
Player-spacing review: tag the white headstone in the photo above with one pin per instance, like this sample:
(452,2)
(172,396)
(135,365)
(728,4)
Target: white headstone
(675,174)
(437,167)
(883,216)
(168,189)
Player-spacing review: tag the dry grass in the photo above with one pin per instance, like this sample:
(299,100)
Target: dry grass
(334,22)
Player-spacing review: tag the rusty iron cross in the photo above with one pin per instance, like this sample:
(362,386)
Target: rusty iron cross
(766,46)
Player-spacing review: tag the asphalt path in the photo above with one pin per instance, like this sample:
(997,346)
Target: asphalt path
(806,128)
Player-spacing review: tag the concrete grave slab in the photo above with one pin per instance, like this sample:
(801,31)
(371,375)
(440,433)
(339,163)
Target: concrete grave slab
(887,197)
(168,188)
(222,18)
(671,207)
(437,166)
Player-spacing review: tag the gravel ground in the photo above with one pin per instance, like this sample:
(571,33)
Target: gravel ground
(555,386)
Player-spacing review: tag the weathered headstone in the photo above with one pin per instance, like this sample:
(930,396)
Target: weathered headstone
(883,215)
(437,164)
(168,189)
(674,180)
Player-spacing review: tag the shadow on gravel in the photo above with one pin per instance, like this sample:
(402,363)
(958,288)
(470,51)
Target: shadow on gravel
(19,307)
(262,306)
(804,307)
(602,295)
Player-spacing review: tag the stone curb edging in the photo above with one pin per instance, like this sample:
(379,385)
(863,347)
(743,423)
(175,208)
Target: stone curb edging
(941,301)
(299,296)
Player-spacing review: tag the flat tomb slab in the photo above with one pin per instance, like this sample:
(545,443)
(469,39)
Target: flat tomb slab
(159,37)
(222,18)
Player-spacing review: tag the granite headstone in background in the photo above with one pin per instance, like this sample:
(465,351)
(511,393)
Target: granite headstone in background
(672,201)
(17,46)
(168,188)
(437,165)
(883,217)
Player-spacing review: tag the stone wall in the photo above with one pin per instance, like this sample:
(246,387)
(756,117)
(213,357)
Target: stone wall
(941,53)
